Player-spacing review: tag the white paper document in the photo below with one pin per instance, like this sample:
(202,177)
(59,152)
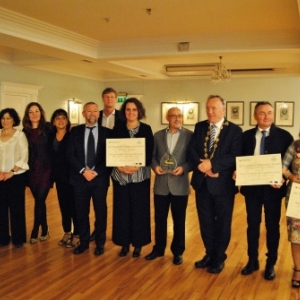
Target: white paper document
(293,209)
(125,152)
(258,169)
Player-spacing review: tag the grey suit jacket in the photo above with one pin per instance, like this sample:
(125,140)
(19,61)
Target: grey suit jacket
(168,183)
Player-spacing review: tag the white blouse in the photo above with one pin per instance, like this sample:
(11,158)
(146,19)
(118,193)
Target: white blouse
(14,152)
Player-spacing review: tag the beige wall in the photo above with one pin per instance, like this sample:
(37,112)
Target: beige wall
(59,88)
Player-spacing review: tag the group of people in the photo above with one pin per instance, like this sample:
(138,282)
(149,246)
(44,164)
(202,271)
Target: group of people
(76,161)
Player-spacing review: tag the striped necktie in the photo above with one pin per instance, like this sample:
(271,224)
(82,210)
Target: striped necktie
(212,136)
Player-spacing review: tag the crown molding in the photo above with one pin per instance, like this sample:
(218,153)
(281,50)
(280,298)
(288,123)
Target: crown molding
(29,29)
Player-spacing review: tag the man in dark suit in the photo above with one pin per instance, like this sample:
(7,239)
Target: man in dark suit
(109,116)
(277,140)
(213,148)
(90,179)
(171,186)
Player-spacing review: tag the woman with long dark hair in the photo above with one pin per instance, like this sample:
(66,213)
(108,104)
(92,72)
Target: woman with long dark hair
(38,133)
(65,192)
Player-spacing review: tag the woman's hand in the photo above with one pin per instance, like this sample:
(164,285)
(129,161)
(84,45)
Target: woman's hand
(7,175)
(129,170)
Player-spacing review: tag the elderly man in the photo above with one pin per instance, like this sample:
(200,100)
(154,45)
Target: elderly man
(213,148)
(171,187)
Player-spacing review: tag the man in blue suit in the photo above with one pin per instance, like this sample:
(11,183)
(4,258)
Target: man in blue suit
(214,146)
(90,179)
(171,186)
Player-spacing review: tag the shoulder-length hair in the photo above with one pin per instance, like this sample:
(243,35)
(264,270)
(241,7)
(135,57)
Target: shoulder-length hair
(60,112)
(12,113)
(139,106)
(26,121)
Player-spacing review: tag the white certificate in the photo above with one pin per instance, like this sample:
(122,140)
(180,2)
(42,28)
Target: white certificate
(293,209)
(125,152)
(258,169)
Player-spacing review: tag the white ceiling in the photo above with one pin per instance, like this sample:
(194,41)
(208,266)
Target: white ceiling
(114,40)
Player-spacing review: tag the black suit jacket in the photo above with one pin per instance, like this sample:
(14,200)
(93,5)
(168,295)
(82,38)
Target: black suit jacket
(118,117)
(277,142)
(223,162)
(76,155)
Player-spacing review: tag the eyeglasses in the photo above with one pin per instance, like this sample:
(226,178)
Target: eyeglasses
(175,116)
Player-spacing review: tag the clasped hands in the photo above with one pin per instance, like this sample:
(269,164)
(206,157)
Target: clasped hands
(89,174)
(176,172)
(206,168)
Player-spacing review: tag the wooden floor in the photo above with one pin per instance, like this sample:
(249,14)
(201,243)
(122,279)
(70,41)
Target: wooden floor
(48,271)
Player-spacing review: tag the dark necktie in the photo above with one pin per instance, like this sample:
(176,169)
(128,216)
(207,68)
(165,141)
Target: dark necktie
(262,142)
(91,155)
(212,136)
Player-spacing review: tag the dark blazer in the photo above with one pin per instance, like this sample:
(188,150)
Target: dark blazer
(168,183)
(223,162)
(76,155)
(277,142)
(120,131)
(118,117)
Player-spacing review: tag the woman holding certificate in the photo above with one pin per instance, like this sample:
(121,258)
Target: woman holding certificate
(292,160)
(131,184)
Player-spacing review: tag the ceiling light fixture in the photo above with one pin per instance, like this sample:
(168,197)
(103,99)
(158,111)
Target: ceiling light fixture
(220,73)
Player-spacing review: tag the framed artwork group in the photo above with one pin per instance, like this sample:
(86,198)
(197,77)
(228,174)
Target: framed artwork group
(190,112)
(284,113)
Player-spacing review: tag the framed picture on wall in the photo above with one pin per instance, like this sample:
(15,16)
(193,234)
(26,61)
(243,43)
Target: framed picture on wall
(235,112)
(74,112)
(190,113)
(251,118)
(284,113)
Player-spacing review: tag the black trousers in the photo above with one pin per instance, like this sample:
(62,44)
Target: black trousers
(40,211)
(12,208)
(215,216)
(272,209)
(66,200)
(131,214)
(178,205)
(83,194)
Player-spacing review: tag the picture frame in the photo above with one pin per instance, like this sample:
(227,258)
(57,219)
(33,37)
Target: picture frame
(190,112)
(235,112)
(284,113)
(251,117)
(73,112)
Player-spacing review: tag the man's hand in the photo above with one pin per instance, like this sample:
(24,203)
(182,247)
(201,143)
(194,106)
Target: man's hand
(211,174)
(205,165)
(178,171)
(89,175)
(159,171)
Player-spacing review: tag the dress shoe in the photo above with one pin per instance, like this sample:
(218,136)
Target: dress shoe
(92,236)
(124,251)
(269,272)
(216,268)
(137,252)
(18,245)
(153,255)
(80,249)
(252,265)
(177,260)
(99,250)
(204,262)
(33,240)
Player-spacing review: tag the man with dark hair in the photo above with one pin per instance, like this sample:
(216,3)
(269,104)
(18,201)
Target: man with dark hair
(275,140)
(214,146)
